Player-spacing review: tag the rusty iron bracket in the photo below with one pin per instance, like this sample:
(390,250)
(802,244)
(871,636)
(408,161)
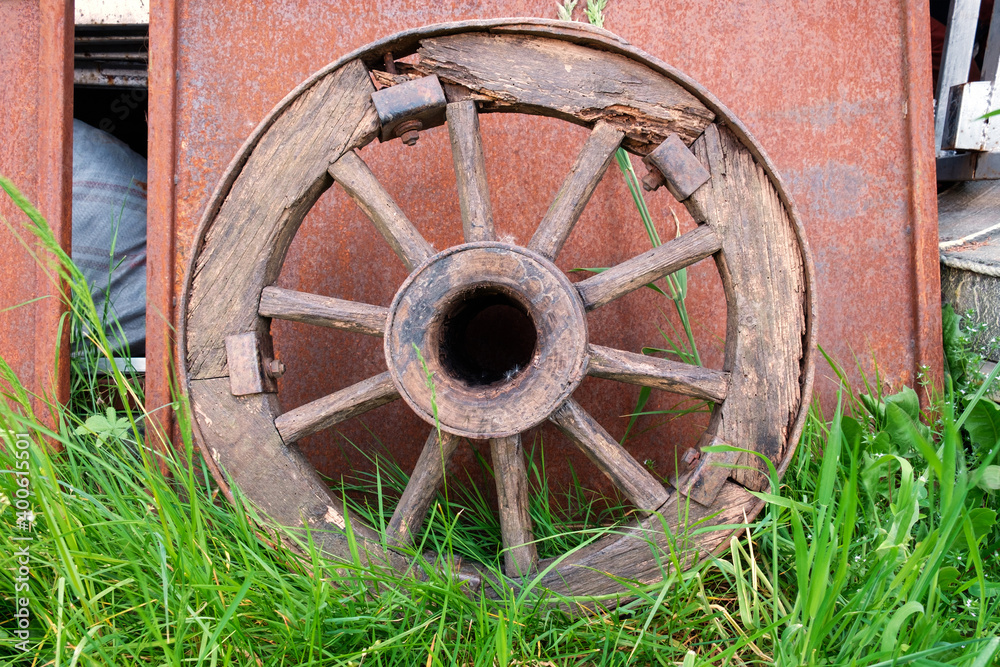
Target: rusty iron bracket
(711,470)
(673,165)
(408,107)
(252,366)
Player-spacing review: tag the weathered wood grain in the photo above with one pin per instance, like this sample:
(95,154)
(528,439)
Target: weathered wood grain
(640,369)
(277,185)
(520,552)
(336,407)
(426,479)
(238,434)
(651,265)
(559,78)
(322,311)
(572,198)
(470,171)
(764,281)
(572,31)
(351,172)
(638,485)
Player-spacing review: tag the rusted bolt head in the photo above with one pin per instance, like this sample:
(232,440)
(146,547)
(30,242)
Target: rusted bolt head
(690,456)
(652,180)
(275,368)
(409,131)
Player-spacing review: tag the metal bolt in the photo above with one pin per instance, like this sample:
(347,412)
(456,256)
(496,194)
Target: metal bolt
(275,368)
(690,456)
(409,131)
(652,180)
(390,63)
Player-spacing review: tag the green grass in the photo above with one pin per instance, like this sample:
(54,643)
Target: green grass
(562,520)
(879,547)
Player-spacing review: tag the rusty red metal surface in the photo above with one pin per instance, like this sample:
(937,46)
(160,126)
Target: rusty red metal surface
(842,104)
(929,351)
(160,223)
(36,107)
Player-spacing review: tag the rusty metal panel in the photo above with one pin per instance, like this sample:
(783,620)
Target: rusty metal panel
(36,106)
(841,103)
(160,227)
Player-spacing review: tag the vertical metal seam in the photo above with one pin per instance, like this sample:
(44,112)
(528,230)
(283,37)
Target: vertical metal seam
(923,195)
(161,221)
(55,186)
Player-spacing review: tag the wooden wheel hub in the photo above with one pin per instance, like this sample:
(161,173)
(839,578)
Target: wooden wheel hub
(502,332)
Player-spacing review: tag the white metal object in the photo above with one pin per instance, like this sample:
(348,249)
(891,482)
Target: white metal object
(965,128)
(959,41)
(111,12)
(991,59)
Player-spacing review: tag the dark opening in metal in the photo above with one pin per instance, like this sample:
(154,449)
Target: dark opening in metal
(487,336)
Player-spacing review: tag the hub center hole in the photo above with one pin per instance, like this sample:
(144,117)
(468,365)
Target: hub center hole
(487,336)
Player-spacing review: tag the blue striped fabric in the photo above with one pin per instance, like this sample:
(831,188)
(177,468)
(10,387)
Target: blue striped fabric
(109,209)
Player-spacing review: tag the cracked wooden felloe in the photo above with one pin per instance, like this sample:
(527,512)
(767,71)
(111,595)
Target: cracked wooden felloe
(451,307)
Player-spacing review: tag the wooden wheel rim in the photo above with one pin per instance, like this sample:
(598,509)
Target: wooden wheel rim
(225,298)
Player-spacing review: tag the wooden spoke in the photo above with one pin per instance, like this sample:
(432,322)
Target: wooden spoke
(323,311)
(575,192)
(470,171)
(649,266)
(606,362)
(638,485)
(520,553)
(420,491)
(335,408)
(362,186)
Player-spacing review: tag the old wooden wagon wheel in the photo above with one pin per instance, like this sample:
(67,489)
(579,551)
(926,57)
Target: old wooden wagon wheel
(584,76)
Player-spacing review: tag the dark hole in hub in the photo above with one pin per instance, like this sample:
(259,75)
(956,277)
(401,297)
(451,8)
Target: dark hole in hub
(486,337)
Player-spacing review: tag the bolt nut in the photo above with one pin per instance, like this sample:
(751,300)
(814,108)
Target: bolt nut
(409,131)
(275,368)
(690,456)
(653,180)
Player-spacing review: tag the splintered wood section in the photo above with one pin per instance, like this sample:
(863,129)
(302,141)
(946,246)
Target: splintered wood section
(764,280)
(638,485)
(337,407)
(520,552)
(351,172)
(423,486)
(673,376)
(238,434)
(651,265)
(470,171)
(322,311)
(637,553)
(576,190)
(553,77)
(277,185)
